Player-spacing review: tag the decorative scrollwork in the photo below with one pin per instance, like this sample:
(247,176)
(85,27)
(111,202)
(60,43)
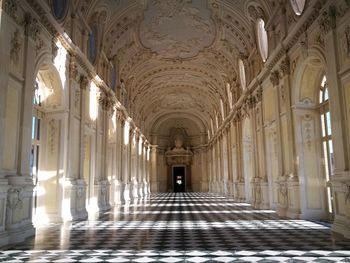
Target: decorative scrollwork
(15,198)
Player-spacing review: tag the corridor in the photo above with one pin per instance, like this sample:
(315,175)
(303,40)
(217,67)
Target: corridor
(183,227)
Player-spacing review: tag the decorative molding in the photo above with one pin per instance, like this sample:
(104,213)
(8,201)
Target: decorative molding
(327,20)
(15,198)
(285,67)
(275,78)
(84,82)
(11,8)
(31,26)
(16,47)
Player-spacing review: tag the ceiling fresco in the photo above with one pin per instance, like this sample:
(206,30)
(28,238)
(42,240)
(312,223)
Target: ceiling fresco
(177,29)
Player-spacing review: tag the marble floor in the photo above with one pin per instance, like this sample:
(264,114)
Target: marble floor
(183,227)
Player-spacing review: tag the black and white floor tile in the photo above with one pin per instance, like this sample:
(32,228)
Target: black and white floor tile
(183,227)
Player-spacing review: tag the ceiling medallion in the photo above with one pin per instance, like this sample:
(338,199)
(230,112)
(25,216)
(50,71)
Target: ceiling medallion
(177,29)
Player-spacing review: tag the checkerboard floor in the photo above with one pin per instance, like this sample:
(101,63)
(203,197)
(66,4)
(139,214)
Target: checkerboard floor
(183,227)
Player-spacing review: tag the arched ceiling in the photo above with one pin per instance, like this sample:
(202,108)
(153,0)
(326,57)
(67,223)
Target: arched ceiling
(176,56)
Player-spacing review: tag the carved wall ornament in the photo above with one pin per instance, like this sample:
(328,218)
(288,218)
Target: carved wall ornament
(258,94)
(283,191)
(275,78)
(347,41)
(39,45)
(308,130)
(84,82)
(304,45)
(52,135)
(250,101)
(16,46)
(11,7)
(283,93)
(285,66)
(347,192)
(255,12)
(54,48)
(31,26)
(15,198)
(73,70)
(77,98)
(327,20)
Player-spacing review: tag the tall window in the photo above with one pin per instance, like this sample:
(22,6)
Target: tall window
(36,125)
(298,6)
(327,144)
(242,74)
(262,39)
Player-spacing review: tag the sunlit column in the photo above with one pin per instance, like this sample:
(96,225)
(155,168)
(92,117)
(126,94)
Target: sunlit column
(224,161)
(122,157)
(84,82)
(148,168)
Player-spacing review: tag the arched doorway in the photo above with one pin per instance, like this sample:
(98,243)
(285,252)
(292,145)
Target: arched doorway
(46,158)
(314,137)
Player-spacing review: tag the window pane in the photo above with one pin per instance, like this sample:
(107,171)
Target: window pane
(242,74)
(325,156)
(326,94)
(262,39)
(329,197)
(33,128)
(298,6)
(323,126)
(328,120)
(38,130)
(32,159)
(321,96)
(331,155)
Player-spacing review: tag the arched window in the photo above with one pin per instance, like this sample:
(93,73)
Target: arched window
(298,6)
(262,39)
(326,137)
(113,77)
(242,74)
(222,108)
(212,126)
(59,9)
(93,43)
(229,95)
(36,130)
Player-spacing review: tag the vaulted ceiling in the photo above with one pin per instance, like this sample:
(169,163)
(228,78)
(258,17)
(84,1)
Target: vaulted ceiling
(177,56)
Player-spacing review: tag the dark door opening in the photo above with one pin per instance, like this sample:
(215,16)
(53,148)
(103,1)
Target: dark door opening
(179,179)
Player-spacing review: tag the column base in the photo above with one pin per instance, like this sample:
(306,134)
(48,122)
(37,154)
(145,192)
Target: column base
(341,225)
(127,192)
(293,210)
(135,190)
(19,207)
(264,200)
(103,196)
(341,199)
(78,200)
(4,238)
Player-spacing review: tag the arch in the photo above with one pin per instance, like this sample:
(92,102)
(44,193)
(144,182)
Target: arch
(312,68)
(155,124)
(306,89)
(47,137)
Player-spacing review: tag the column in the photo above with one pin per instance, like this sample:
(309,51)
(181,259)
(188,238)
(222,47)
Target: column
(225,162)
(123,157)
(18,218)
(289,194)
(153,166)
